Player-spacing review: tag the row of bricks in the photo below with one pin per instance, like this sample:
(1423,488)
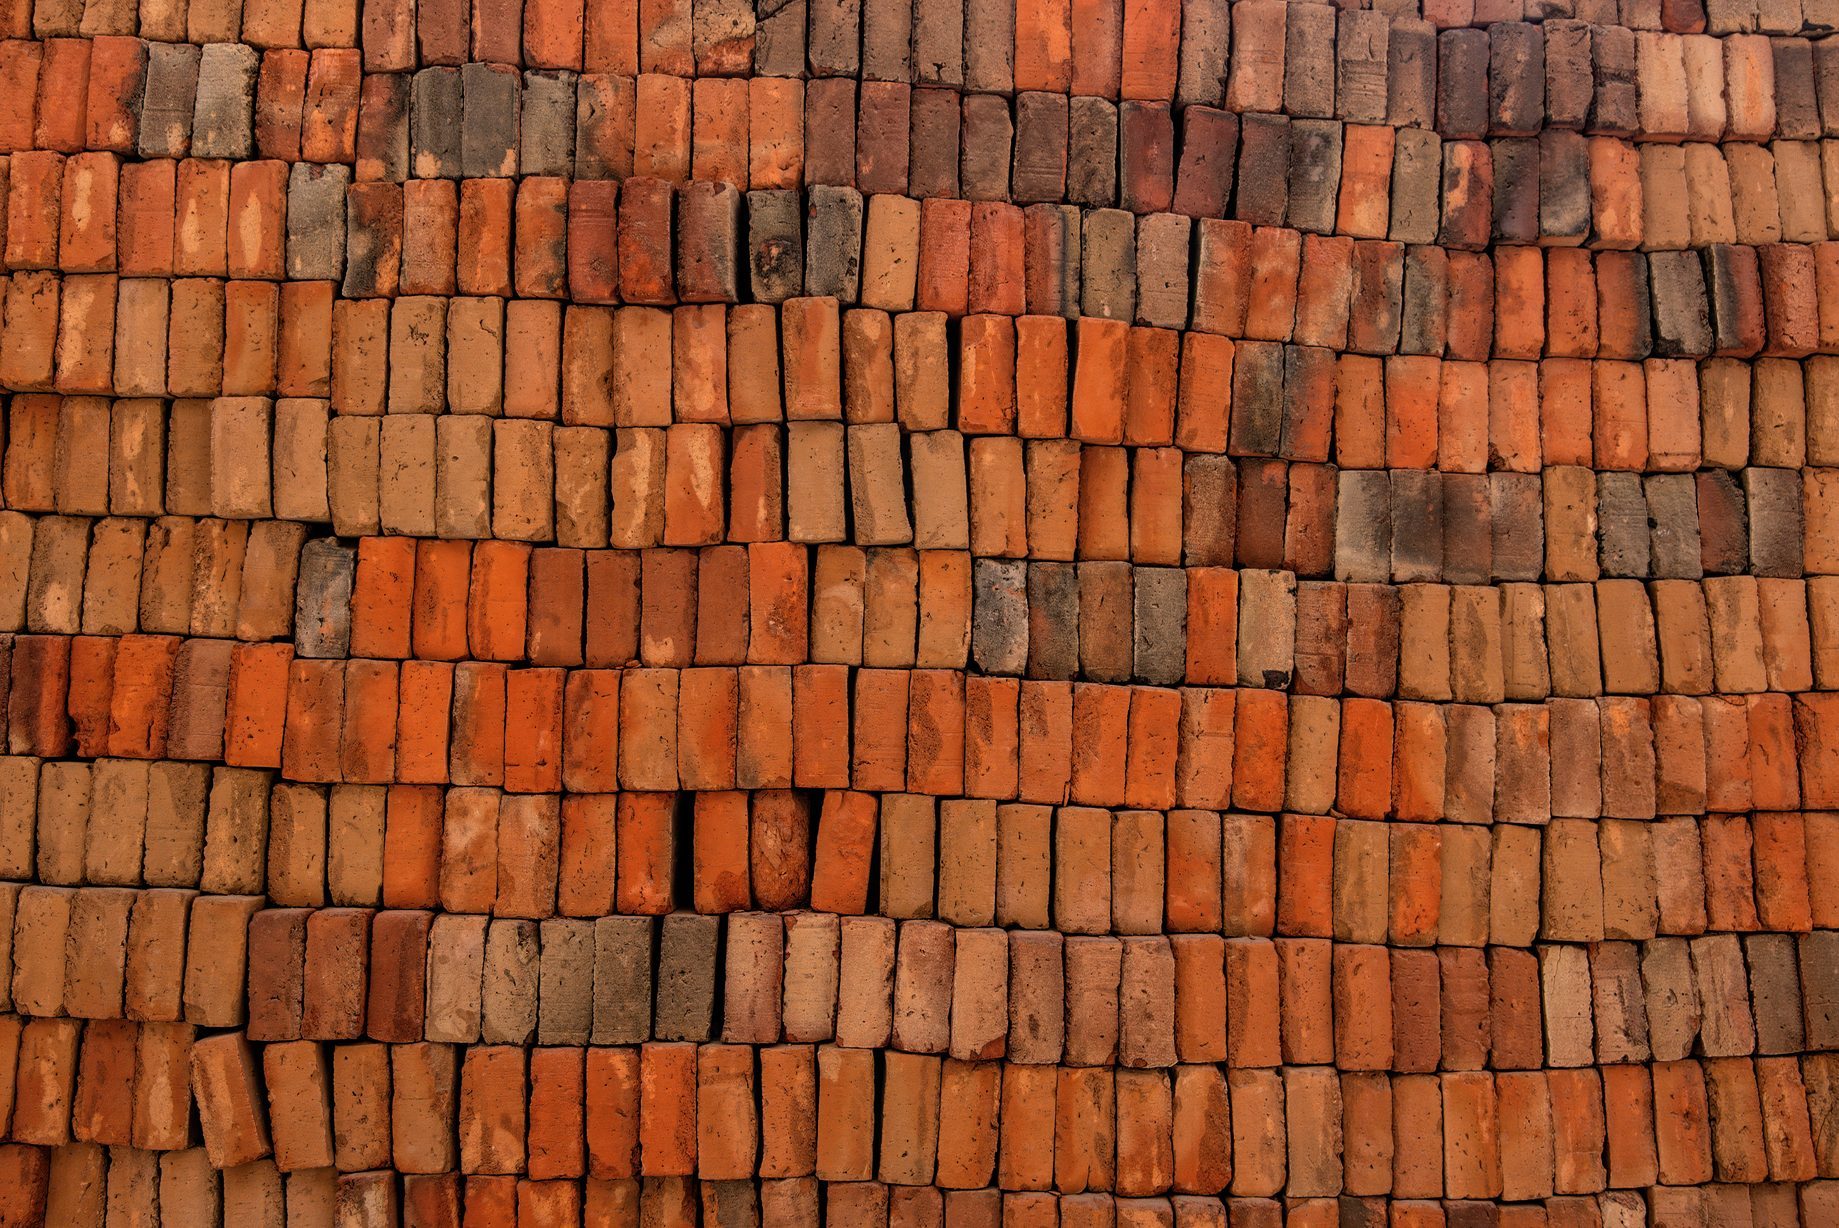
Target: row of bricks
(777,490)
(1108,622)
(782,605)
(97,334)
(747,133)
(163,955)
(1094,381)
(642,1108)
(601,242)
(1016,1007)
(475,850)
(597,241)
(232,464)
(164,100)
(1358,65)
(532,856)
(1411,446)
(821,484)
(716,728)
(1003,500)
(1203,396)
(1139,1133)
(947,47)
(1142,387)
(142,696)
(1107,49)
(1407,525)
(1368,184)
(1361,180)
(990,1013)
(772,604)
(180,1190)
(682,1110)
(1306,60)
(1179,746)
(176,576)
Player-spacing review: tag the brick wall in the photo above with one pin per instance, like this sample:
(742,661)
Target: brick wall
(919,614)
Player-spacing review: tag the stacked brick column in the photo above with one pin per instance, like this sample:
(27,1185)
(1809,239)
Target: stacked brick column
(919,613)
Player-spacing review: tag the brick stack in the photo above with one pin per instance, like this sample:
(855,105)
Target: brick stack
(919,613)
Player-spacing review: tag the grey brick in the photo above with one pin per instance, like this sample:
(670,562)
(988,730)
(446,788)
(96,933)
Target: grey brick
(988,137)
(548,137)
(1564,186)
(1363,526)
(1516,78)
(1309,60)
(512,965)
(489,123)
(779,40)
(887,40)
(775,245)
(833,249)
(1424,301)
(1775,987)
(169,103)
(1417,184)
(1163,246)
(566,985)
(1160,647)
(622,980)
(1569,81)
(933,117)
(1361,45)
(434,123)
(999,617)
(1264,170)
(1774,499)
(1039,173)
(316,221)
(989,45)
(1206,35)
(1411,74)
(1108,263)
(1681,312)
(1462,84)
(1417,525)
(1615,109)
(1053,621)
(1256,427)
(1105,614)
(1622,518)
(1315,174)
(833,37)
(688,946)
(223,122)
(322,599)
(1673,541)
(1468,529)
(1516,189)
(1091,153)
(938,42)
